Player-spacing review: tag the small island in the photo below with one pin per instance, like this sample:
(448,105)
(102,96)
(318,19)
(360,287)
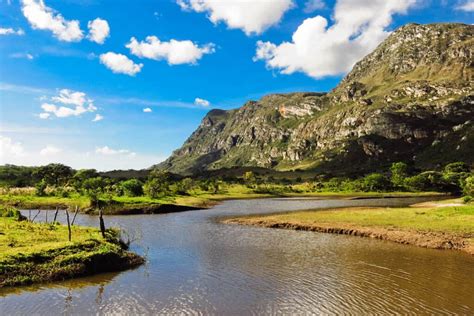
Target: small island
(447,224)
(42,252)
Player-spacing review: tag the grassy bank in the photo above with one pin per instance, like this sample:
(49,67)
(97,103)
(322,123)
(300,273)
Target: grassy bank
(34,252)
(122,205)
(441,225)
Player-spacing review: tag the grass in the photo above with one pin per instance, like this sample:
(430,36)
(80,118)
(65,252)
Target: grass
(441,225)
(450,219)
(34,252)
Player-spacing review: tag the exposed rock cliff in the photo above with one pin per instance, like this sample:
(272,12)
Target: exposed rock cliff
(409,100)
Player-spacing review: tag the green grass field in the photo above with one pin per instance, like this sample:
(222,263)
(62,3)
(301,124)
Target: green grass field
(449,219)
(34,252)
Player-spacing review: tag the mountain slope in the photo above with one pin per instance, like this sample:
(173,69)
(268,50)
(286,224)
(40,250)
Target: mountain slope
(411,100)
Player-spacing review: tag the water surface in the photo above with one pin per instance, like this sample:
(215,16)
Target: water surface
(196,265)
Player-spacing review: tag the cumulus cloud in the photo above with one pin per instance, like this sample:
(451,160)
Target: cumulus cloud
(42,17)
(50,150)
(252,17)
(467,6)
(147,110)
(319,50)
(10,149)
(76,101)
(106,150)
(312,5)
(201,102)
(99,30)
(174,52)
(98,118)
(120,64)
(11,31)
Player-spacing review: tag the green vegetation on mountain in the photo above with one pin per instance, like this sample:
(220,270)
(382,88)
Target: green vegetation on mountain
(410,100)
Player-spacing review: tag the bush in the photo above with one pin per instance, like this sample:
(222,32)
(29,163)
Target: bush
(375,182)
(8,211)
(467,199)
(132,187)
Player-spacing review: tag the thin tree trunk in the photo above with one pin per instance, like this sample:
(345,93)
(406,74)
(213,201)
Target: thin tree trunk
(29,215)
(75,214)
(101,222)
(46,216)
(68,225)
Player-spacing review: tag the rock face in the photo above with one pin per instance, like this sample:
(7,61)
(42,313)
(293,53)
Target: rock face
(409,100)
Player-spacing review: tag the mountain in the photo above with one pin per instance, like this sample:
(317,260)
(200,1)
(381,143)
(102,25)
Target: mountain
(409,100)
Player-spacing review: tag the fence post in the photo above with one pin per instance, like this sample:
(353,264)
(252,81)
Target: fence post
(56,214)
(75,214)
(101,222)
(68,224)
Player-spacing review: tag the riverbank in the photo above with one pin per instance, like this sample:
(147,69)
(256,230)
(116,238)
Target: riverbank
(40,252)
(439,225)
(122,205)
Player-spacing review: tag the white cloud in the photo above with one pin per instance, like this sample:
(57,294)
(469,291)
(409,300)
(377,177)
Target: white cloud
(120,64)
(78,99)
(22,55)
(11,31)
(42,17)
(98,118)
(147,110)
(253,17)
(14,152)
(10,150)
(99,30)
(174,52)
(201,102)
(467,6)
(50,150)
(320,50)
(106,150)
(312,5)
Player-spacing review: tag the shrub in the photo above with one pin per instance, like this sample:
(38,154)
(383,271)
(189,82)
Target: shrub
(132,187)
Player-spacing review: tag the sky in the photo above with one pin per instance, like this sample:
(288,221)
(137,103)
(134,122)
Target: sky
(120,84)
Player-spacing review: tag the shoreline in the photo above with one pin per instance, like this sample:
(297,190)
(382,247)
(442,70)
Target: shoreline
(42,253)
(188,203)
(434,239)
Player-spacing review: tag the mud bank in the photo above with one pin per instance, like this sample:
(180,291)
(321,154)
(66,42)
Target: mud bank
(434,240)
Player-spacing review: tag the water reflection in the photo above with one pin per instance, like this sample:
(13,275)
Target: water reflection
(196,265)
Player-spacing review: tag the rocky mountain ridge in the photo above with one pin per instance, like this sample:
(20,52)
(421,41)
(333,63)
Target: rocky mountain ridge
(409,100)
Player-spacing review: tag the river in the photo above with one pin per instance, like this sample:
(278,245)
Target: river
(196,265)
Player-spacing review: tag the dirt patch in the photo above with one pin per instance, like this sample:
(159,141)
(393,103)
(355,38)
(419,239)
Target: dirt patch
(434,240)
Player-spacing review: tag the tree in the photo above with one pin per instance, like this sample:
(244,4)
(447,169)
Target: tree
(93,187)
(132,187)
(54,174)
(155,188)
(375,182)
(82,175)
(468,186)
(399,172)
(249,178)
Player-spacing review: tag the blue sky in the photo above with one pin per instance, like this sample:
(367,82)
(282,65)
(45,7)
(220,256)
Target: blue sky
(57,75)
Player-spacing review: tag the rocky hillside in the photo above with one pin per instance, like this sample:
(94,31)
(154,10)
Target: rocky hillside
(409,100)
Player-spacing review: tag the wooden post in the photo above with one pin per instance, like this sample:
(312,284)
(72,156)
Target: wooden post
(35,216)
(56,214)
(101,222)
(75,214)
(68,225)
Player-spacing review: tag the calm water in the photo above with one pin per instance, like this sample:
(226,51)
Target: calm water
(198,266)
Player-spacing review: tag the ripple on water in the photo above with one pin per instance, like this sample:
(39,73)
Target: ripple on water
(198,266)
